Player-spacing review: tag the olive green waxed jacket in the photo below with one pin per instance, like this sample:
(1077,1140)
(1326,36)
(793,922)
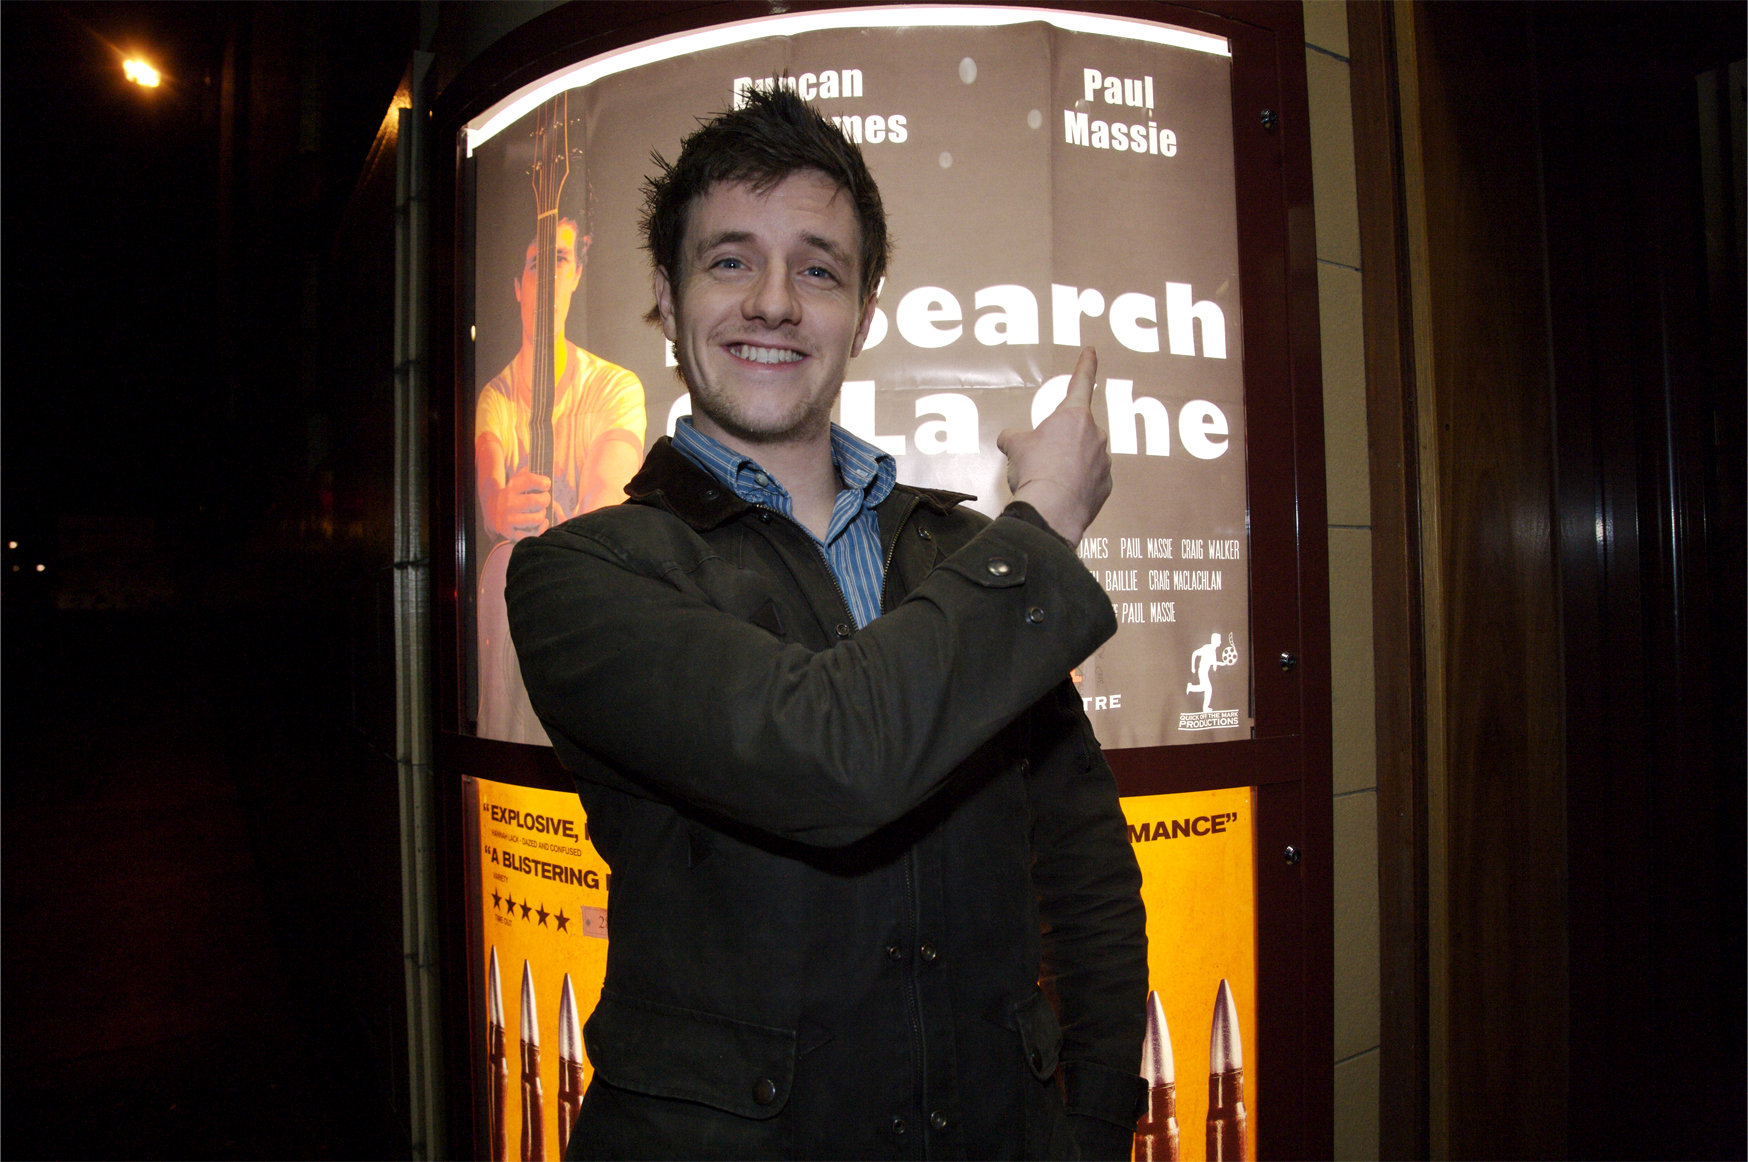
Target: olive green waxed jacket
(872,892)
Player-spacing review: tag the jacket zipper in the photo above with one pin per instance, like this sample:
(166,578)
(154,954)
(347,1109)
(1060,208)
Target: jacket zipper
(824,560)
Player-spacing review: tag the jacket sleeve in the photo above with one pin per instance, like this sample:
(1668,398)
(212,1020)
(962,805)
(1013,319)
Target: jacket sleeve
(1094,926)
(637,655)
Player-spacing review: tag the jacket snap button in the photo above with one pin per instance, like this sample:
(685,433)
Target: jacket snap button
(765,517)
(711,494)
(894,952)
(1037,1060)
(999,567)
(938,1120)
(1035,615)
(925,534)
(764,1091)
(928,952)
(898,1125)
(844,630)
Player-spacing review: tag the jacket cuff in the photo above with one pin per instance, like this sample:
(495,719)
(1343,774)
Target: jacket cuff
(1020,510)
(1114,1097)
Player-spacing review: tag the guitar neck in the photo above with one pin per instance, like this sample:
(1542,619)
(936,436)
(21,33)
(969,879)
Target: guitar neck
(544,387)
(551,167)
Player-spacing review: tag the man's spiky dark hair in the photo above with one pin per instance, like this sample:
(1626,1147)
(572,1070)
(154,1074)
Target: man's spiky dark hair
(774,134)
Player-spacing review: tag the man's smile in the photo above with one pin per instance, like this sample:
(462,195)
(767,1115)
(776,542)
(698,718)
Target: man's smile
(756,354)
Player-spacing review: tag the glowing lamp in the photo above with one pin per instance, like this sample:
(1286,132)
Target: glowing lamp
(140,73)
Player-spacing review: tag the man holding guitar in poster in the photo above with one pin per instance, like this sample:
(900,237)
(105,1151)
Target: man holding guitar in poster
(557,433)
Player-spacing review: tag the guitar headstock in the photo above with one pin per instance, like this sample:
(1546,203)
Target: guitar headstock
(552,153)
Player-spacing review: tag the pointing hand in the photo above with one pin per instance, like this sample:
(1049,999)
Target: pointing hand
(1062,467)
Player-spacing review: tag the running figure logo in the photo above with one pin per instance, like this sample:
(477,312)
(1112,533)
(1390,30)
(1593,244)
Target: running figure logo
(1203,662)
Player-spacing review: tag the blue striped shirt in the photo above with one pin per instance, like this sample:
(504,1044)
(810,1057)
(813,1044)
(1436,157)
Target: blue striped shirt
(851,545)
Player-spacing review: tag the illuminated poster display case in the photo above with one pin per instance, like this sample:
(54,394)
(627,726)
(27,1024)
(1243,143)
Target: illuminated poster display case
(1133,176)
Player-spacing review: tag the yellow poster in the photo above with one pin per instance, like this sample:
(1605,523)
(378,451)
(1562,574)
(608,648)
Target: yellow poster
(543,954)
(1199,886)
(543,950)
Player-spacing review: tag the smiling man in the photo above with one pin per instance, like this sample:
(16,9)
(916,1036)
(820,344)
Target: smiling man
(873,895)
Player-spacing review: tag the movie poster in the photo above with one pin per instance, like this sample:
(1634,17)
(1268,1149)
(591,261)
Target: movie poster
(1052,180)
(1198,881)
(539,892)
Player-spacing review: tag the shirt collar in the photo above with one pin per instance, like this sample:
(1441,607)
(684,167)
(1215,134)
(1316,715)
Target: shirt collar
(863,467)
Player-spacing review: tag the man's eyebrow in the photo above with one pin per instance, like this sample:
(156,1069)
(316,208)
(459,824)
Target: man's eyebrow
(723,237)
(830,247)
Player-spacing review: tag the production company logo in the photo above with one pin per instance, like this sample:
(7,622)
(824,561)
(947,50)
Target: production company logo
(1220,652)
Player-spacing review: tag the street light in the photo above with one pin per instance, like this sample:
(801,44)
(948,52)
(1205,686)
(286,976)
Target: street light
(141,73)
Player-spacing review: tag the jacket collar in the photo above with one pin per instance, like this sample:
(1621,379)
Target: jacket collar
(668,479)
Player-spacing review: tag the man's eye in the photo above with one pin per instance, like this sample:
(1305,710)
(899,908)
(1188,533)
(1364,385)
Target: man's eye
(728,264)
(820,272)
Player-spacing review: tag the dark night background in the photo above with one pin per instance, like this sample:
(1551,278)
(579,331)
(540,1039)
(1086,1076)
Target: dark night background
(198,323)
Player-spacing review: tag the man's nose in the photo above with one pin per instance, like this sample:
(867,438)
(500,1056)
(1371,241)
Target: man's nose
(771,299)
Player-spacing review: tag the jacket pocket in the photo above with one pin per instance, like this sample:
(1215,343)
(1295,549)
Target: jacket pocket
(1040,1035)
(1043,1124)
(667,1051)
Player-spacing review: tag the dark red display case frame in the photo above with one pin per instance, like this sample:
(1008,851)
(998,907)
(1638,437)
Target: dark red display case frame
(1287,759)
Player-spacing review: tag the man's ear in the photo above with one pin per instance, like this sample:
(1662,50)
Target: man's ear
(664,297)
(867,321)
(516,288)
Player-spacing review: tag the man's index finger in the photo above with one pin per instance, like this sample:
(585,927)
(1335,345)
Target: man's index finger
(1080,384)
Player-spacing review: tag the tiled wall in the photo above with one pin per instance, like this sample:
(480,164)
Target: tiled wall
(1350,582)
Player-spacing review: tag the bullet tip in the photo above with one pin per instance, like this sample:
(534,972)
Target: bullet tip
(1158,1065)
(494,991)
(530,1021)
(570,1032)
(1225,1043)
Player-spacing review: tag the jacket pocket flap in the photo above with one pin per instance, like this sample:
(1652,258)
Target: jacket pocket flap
(667,1051)
(1040,1035)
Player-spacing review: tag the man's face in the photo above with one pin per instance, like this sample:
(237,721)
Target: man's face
(766,313)
(565,273)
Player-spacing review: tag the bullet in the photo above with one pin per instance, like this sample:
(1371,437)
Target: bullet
(1225,1081)
(1156,1137)
(570,1065)
(497,1062)
(533,1112)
